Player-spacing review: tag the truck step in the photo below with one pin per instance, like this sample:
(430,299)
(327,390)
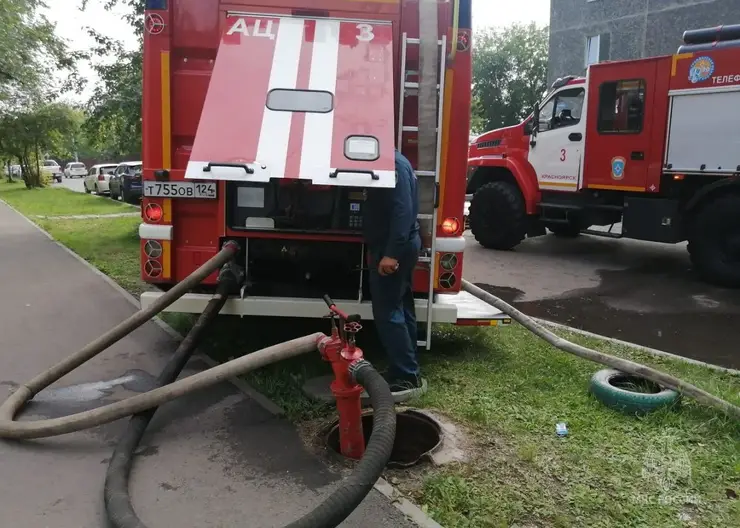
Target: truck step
(604,234)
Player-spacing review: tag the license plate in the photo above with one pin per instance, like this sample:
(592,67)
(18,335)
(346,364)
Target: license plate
(205,190)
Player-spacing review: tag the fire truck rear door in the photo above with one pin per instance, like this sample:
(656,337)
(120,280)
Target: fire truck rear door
(309,99)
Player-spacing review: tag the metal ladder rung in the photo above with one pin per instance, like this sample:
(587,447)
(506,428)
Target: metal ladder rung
(426,173)
(421,344)
(415,85)
(415,129)
(424,216)
(425,260)
(416,41)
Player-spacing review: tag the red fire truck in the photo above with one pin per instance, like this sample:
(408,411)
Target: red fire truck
(264,121)
(651,143)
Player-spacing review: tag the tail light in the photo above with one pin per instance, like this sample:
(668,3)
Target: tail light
(152,268)
(153,249)
(153,212)
(448,261)
(447,280)
(450,226)
(101,177)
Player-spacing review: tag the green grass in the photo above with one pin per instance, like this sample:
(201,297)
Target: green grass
(55,201)
(672,468)
(669,468)
(109,244)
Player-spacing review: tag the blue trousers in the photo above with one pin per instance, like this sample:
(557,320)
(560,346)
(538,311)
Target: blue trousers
(394,312)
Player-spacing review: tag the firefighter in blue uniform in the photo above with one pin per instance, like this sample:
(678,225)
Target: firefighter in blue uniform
(391,231)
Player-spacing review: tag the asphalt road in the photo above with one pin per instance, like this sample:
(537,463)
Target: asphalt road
(637,291)
(72,184)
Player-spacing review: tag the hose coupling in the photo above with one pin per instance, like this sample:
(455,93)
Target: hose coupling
(357,366)
(232,276)
(233,245)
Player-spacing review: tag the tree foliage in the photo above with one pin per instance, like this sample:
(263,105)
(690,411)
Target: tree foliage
(509,74)
(30,55)
(28,134)
(114,109)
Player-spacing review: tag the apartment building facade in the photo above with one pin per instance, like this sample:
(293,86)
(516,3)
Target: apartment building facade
(586,31)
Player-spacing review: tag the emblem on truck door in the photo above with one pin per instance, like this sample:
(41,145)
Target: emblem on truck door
(701,69)
(618,165)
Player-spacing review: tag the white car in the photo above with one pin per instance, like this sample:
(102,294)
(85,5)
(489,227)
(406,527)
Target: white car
(97,178)
(75,169)
(52,168)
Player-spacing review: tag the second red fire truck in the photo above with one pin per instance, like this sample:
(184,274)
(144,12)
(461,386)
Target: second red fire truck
(264,121)
(653,144)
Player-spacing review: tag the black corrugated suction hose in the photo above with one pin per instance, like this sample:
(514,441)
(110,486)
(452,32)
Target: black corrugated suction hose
(330,513)
(116,496)
(351,492)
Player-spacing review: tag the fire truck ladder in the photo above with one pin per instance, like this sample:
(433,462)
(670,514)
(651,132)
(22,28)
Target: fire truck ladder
(430,89)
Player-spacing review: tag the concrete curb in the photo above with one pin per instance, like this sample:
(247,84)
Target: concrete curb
(640,348)
(406,507)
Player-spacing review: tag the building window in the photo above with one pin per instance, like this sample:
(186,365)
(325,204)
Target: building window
(621,107)
(597,48)
(562,110)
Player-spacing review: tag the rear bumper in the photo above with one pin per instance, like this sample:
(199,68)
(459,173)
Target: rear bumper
(462,308)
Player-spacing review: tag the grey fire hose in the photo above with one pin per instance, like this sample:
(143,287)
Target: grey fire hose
(330,513)
(624,365)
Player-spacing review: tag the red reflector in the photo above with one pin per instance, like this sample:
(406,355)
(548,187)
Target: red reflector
(450,226)
(101,177)
(153,212)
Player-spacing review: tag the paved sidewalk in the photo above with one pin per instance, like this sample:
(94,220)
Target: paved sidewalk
(213,459)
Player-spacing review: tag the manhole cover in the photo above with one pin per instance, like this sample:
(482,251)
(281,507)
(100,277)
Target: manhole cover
(417,437)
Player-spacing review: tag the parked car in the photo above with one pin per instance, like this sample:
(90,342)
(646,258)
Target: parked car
(16,171)
(97,178)
(75,169)
(52,168)
(125,183)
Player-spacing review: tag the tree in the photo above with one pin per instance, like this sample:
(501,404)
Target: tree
(114,110)
(30,53)
(29,133)
(509,74)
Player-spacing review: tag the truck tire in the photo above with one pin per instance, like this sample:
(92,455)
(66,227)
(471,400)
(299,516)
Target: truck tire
(498,219)
(714,241)
(630,394)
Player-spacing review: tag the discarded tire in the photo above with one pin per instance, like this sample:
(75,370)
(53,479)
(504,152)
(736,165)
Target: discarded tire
(630,394)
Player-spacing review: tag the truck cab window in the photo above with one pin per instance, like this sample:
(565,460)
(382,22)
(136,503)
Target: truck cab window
(562,110)
(621,107)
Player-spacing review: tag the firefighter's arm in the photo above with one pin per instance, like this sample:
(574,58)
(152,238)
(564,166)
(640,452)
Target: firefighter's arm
(402,212)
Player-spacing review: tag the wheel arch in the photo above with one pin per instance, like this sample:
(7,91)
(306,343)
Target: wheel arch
(713,190)
(505,169)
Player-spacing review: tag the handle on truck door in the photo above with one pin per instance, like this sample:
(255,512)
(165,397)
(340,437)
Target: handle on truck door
(247,168)
(354,171)
(575,136)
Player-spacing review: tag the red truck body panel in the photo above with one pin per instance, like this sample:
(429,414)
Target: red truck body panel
(203,83)
(619,161)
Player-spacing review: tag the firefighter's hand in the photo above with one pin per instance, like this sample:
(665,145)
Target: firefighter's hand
(387,266)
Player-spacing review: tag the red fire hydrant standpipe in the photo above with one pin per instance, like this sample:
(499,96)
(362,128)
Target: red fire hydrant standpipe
(341,350)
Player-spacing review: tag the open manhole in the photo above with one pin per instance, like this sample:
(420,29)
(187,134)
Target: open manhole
(417,437)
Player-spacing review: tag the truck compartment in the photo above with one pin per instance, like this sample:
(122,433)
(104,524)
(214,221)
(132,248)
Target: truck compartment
(703,133)
(294,206)
(304,268)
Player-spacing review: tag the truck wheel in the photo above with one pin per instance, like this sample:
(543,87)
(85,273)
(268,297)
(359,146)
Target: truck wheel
(714,241)
(497,216)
